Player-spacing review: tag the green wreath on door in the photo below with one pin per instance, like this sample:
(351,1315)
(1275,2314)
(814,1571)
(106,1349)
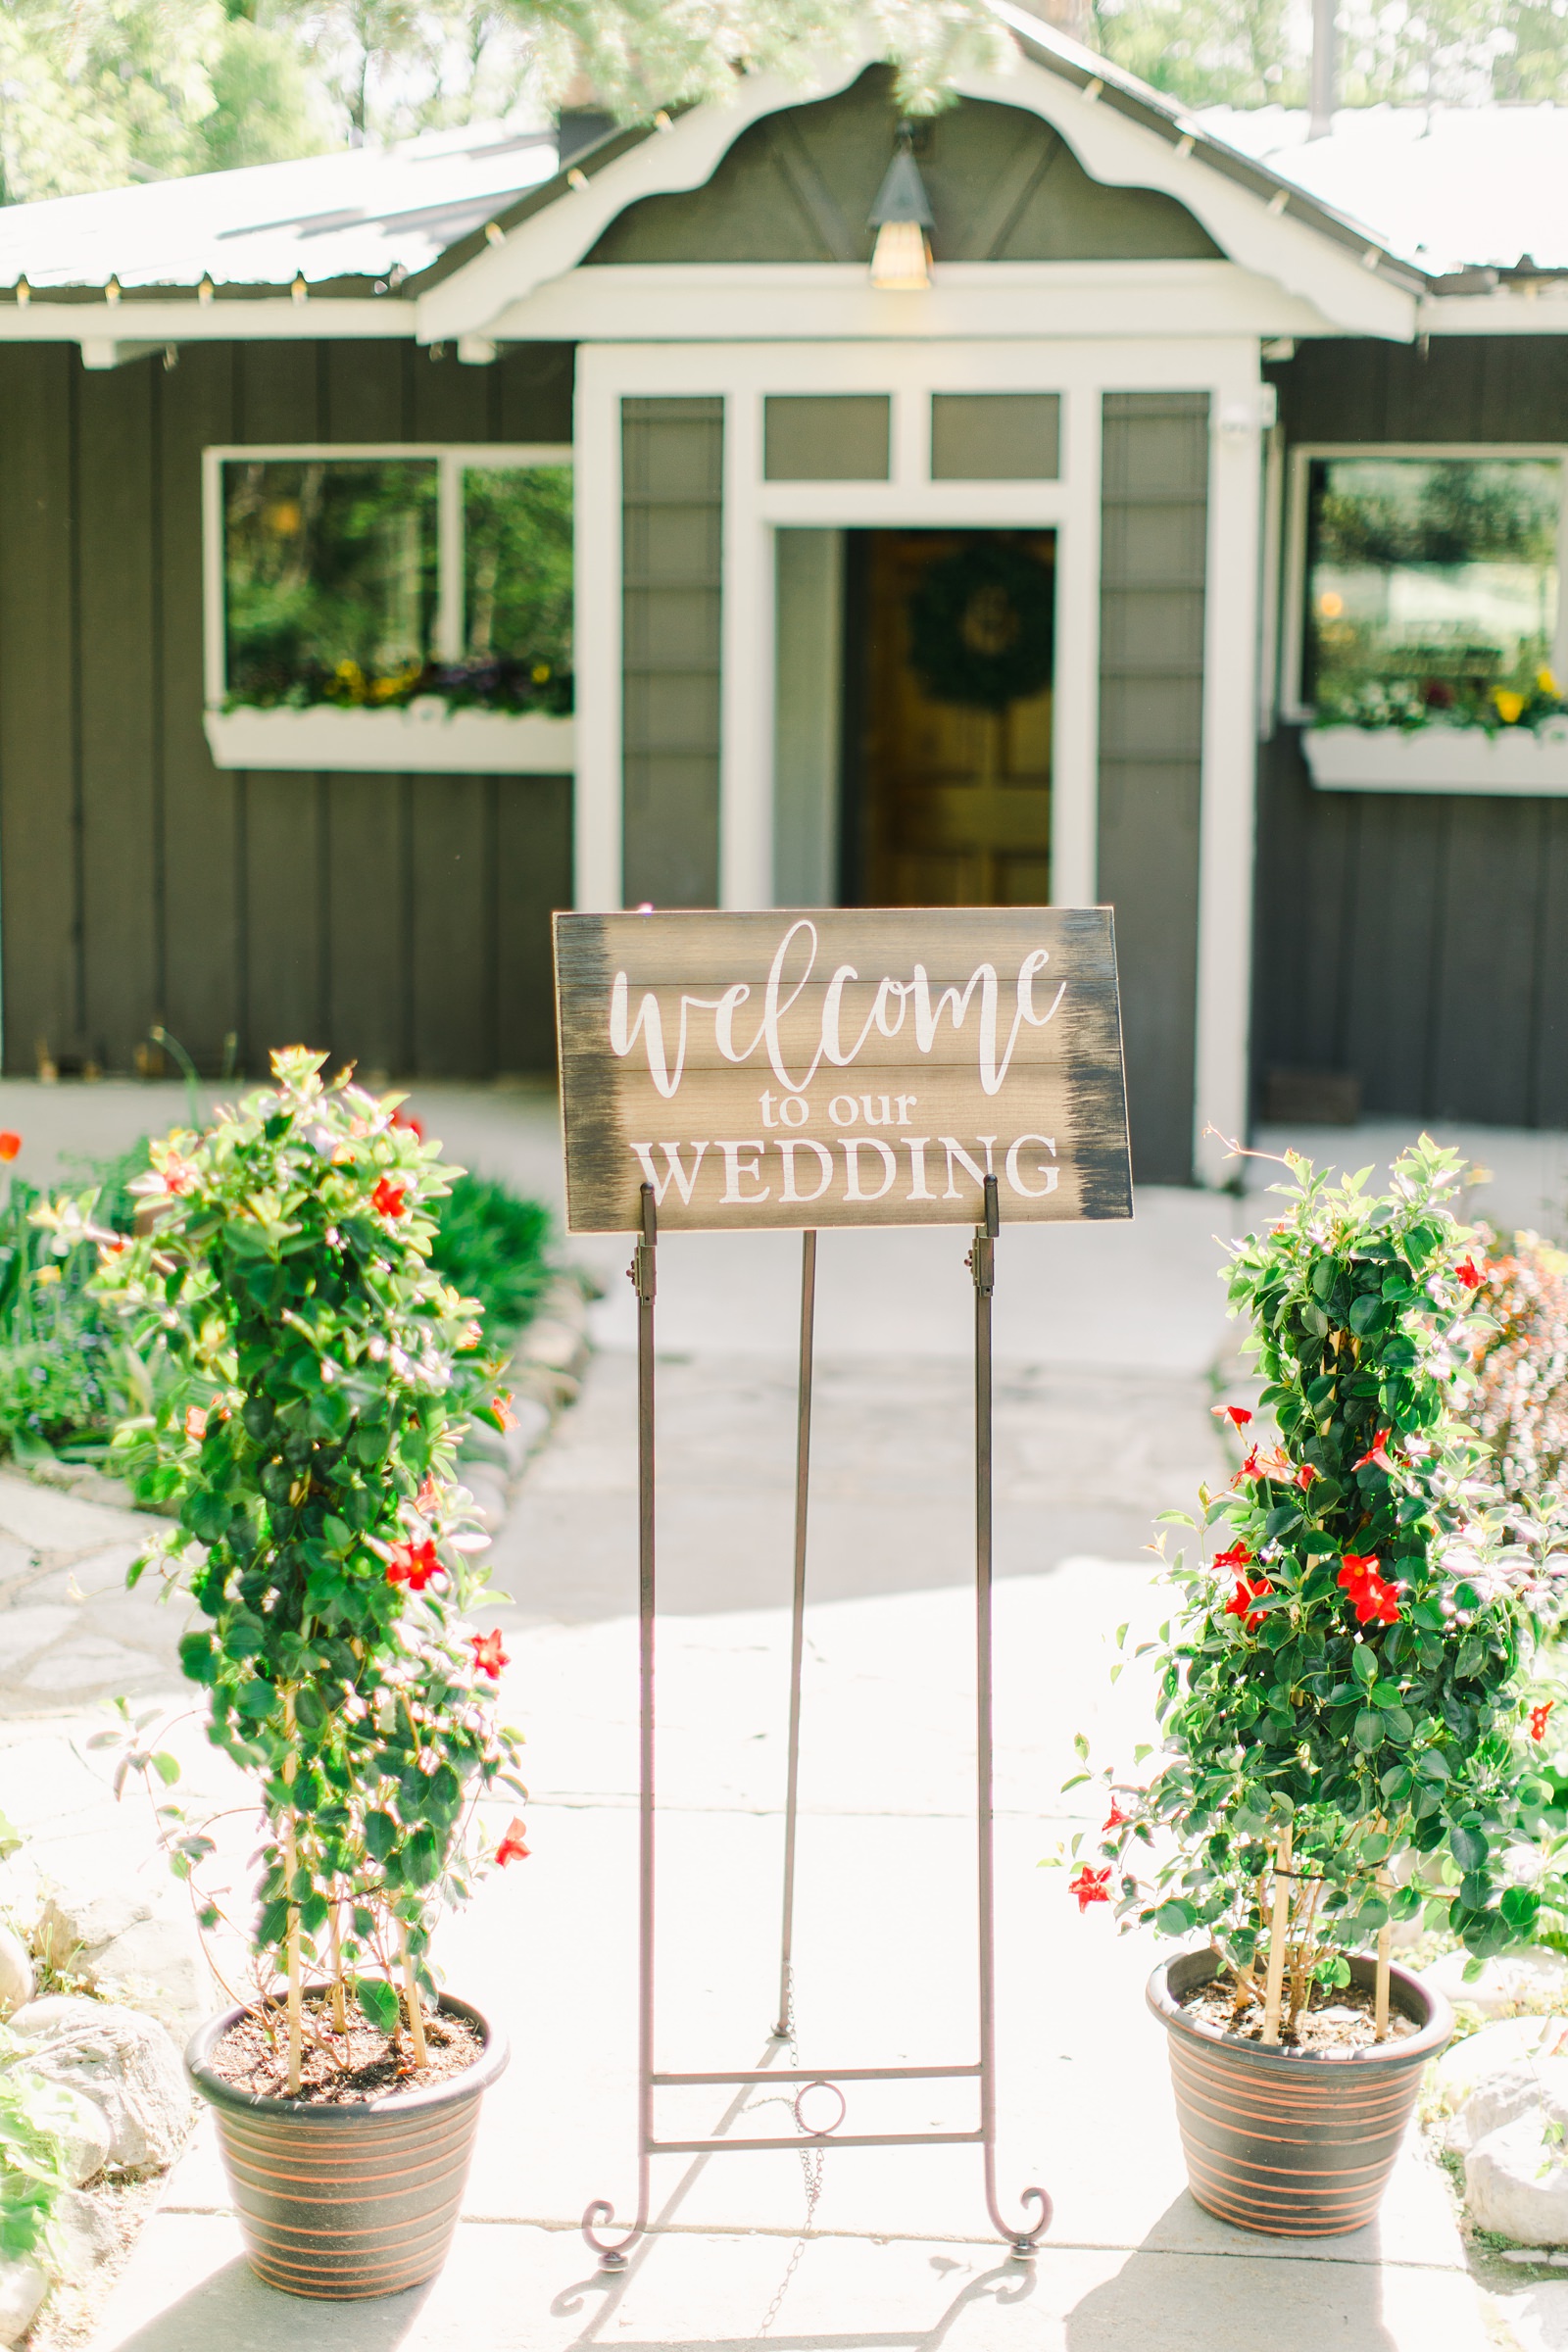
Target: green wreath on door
(982,626)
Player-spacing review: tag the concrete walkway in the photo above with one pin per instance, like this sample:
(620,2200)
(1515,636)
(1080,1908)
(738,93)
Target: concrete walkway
(1108,1343)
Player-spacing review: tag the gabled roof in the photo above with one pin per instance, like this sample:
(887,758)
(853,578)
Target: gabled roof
(1447,188)
(363,214)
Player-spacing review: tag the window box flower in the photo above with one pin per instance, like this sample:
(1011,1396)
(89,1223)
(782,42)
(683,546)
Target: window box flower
(1440,757)
(427,736)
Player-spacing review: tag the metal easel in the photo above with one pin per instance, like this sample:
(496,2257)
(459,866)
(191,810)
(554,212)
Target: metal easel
(1021,2238)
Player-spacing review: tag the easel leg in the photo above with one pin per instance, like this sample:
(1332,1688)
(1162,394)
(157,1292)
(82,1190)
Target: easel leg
(642,1277)
(803,1481)
(1021,2239)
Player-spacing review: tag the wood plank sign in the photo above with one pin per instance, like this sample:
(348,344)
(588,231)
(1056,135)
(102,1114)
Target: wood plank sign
(841,1066)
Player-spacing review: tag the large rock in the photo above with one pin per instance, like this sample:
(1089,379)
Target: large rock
(22,2288)
(84,2134)
(1516,2180)
(123,2061)
(1499,2098)
(1507,1982)
(120,1942)
(16,1971)
(87,2229)
(1494,2050)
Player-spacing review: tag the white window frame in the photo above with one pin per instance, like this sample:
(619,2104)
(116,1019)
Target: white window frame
(1293,705)
(452,459)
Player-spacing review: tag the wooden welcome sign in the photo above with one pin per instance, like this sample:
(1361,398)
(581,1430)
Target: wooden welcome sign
(853,1067)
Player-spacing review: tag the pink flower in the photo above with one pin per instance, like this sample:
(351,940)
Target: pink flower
(195,1422)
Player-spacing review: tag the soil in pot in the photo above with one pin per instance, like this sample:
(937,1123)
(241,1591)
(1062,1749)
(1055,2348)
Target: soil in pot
(1294,2142)
(349,2196)
(340,2069)
(1332,2027)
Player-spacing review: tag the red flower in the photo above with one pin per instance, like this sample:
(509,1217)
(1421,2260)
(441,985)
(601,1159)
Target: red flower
(1305,1475)
(1236,1556)
(1272,1463)
(1236,1414)
(1374,1599)
(413,1565)
(1116,1819)
(428,1499)
(1240,1603)
(1537,1719)
(1090,1886)
(1377,1454)
(178,1175)
(501,1406)
(404,1119)
(1470,1274)
(512,1847)
(9,1143)
(388,1197)
(488,1655)
(195,1421)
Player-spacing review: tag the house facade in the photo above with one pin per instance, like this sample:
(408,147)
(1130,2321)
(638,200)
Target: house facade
(991,588)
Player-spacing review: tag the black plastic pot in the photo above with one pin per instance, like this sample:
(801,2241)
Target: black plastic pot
(1292,2142)
(348,2202)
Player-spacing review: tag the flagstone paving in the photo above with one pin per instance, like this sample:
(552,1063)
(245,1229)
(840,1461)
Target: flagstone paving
(1110,1344)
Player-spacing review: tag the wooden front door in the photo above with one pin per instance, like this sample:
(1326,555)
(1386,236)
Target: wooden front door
(956,800)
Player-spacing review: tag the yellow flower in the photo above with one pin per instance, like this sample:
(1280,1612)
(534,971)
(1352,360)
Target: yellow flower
(1549,684)
(1509,705)
(539,673)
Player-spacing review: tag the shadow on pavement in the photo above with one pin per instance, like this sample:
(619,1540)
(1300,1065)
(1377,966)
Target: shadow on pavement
(232,2307)
(1164,2301)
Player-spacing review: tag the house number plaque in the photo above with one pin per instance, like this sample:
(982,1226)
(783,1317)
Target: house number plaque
(841,1066)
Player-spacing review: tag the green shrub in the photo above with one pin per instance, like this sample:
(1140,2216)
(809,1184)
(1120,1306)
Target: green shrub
(319,1531)
(66,1373)
(492,1244)
(1342,1682)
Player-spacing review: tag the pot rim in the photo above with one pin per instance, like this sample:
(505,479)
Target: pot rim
(1410,2050)
(490,2064)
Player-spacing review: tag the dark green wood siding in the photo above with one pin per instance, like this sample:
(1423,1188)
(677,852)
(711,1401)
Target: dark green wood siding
(799,185)
(1418,942)
(1154,539)
(401,921)
(672,489)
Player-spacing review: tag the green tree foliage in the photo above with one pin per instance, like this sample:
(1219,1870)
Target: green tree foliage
(1255,52)
(1348,1670)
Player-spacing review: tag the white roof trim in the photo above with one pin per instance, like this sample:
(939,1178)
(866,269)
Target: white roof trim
(1339,285)
(820,302)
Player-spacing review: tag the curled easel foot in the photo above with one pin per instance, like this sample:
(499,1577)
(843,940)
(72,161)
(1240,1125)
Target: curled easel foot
(599,2213)
(1024,2242)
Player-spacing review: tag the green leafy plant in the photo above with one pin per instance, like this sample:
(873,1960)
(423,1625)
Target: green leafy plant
(35,2124)
(493,1246)
(1342,1682)
(321,1533)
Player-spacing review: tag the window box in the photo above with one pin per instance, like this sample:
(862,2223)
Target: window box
(1439,758)
(426,738)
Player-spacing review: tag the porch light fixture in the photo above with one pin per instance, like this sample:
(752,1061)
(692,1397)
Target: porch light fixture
(901,261)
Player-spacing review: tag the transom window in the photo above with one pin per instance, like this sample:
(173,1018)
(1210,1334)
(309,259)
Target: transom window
(374,577)
(1425,583)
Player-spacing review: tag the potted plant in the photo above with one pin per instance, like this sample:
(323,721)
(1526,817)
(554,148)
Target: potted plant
(1342,1691)
(325,1545)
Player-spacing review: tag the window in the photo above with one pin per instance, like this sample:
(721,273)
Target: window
(384,578)
(1427,586)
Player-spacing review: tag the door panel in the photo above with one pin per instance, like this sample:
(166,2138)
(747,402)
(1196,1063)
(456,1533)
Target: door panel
(956,800)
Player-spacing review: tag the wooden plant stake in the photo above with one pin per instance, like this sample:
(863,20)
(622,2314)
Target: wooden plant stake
(340,2014)
(411,1985)
(1276,1936)
(296,2035)
(1380,2004)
